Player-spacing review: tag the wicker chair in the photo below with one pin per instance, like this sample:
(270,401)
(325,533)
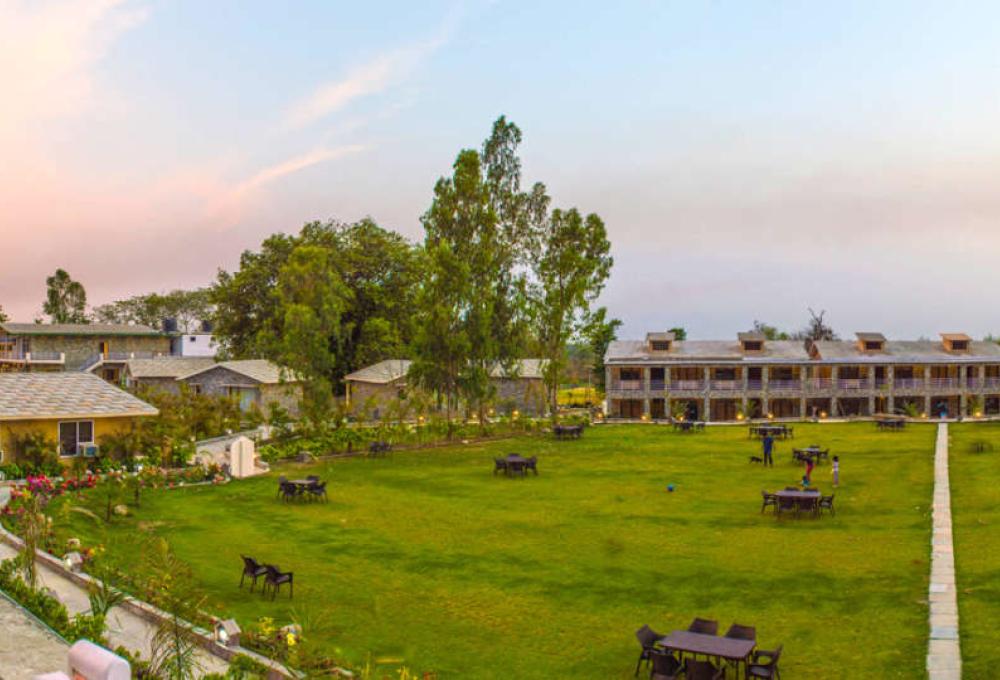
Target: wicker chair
(251,570)
(274,578)
(282,480)
(704,626)
(532,465)
(702,670)
(767,669)
(499,465)
(738,632)
(826,503)
(768,499)
(317,490)
(647,638)
(665,665)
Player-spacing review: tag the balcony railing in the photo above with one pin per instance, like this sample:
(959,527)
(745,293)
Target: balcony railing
(727,385)
(680,385)
(33,357)
(786,385)
(909,383)
(944,383)
(657,385)
(755,385)
(627,385)
(991,382)
(852,383)
(820,383)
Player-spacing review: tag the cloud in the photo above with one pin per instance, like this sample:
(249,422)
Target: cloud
(227,210)
(373,77)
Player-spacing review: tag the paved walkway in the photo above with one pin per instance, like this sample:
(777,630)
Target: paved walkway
(944,656)
(26,648)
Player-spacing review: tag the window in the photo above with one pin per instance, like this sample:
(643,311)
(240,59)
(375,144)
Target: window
(660,345)
(959,345)
(197,388)
(753,345)
(74,433)
(872,346)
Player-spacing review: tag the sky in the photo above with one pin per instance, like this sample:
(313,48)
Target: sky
(751,160)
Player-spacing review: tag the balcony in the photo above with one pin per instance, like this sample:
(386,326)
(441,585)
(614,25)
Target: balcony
(657,385)
(727,385)
(852,383)
(784,385)
(627,385)
(909,384)
(820,383)
(991,382)
(944,383)
(755,385)
(17,356)
(687,385)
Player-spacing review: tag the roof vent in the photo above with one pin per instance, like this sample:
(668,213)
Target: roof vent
(871,342)
(956,342)
(660,342)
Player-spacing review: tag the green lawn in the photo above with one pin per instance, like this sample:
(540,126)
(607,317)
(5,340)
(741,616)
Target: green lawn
(976,527)
(426,557)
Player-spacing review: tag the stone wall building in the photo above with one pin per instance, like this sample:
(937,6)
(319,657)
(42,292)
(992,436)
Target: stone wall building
(254,382)
(374,387)
(753,377)
(102,349)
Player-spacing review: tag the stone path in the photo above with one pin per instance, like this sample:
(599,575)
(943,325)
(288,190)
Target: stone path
(26,648)
(944,656)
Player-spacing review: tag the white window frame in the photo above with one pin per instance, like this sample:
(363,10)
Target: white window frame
(76,450)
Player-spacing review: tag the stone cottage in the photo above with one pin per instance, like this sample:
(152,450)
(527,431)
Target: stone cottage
(255,382)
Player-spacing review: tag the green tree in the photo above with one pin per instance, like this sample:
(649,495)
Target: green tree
(3,315)
(380,269)
(313,298)
(770,332)
(600,332)
(187,307)
(478,229)
(680,334)
(65,299)
(571,264)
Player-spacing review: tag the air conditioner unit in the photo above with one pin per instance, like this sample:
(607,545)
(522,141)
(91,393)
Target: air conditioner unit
(89,450)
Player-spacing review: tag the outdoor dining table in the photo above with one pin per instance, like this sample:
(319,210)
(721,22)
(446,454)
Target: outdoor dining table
(731,649)
(813,452)
(516,464)
(803,500)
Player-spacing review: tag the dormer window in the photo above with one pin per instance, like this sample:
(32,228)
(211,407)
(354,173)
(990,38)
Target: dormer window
(660,342)
(871,342)
(752,342)
(956,342)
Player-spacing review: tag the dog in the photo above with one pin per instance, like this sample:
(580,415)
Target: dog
(756,459)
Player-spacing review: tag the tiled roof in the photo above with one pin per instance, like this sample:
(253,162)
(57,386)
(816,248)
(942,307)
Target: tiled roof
(167,367)
(705,350)
(26,396)
(869,337)
(907,351)
(389,370)
(76,329)
(259,370)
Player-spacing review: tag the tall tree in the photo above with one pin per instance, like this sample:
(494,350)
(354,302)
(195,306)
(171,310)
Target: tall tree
(3,315)
(600,332)
(313,298)
(380,269)
(770,332)
(571,264)
(187,307)
(65,299)
(480,218)
(816,329)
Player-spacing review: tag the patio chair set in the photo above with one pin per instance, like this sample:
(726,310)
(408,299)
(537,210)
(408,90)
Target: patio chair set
(296,490)
(795,501)
(891,424)
(379,449)
(515,465)
(567,431)
(664,655)
(688,426)
(273,577)
(779,431)
(812,452)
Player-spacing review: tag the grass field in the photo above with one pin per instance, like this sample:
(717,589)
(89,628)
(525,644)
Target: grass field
(976,535)
(428,559)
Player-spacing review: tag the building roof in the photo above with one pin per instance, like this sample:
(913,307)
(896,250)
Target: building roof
(693,351)
(36,396)
(869,337)
(87,329)
(259,370)
(390,370)
(167,367)
(905,351)
(751,336)
(658,336)
(955,336)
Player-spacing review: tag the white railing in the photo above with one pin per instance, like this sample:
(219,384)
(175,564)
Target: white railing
(755,385)
(945,383)
(820,383)
(681,385)
(627,385)
(852,383)
(727,385)
(774,385)
(909,383)
(657,385)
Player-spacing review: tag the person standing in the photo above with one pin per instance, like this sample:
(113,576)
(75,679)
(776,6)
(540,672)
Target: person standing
(768,443)
(836,472)
(809,470)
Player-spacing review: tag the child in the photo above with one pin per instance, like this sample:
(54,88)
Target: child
(836,471)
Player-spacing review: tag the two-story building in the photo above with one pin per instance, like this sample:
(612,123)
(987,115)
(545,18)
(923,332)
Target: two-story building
(752,377)
(102,349)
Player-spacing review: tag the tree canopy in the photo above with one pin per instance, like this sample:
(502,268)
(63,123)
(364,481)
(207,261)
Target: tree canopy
(187,307)
(65,299)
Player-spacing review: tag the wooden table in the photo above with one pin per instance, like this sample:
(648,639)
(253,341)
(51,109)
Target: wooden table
(814,453)
(731,649)
(516,464)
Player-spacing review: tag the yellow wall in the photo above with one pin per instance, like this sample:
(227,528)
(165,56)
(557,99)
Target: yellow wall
(50,428)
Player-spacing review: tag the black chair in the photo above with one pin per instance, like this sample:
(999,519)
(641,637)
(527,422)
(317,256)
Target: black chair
(313,478)
(702,670)
(826,503)
(282,480)
(665,665)
(500,465)
(769,499)
(738,632)
(767,669)
(290,492)
(274,578)
(704,626)
(251,569)
(647,638)
(532,464)
(317,490)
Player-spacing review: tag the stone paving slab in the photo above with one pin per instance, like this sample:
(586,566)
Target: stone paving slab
(944,658)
